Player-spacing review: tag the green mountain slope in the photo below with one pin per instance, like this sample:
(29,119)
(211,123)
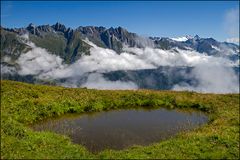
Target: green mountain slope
(69,49)
(11,45)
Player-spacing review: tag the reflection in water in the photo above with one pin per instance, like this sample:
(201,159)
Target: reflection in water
(123,128)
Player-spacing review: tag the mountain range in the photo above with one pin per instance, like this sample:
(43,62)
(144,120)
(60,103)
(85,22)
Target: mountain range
(73,46)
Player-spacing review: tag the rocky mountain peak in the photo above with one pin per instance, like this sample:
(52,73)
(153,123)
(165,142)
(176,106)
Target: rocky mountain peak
(59,27)
(196,37)
(91,30)
(33,29)
(45,28)
(31,25)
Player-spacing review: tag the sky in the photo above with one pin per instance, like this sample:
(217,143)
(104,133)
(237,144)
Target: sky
(219,20)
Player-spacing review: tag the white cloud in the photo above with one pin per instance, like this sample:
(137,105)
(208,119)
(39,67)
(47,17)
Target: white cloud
(97,81)
(7,70)
(232,22)
(211,72)
(38,61)
(233,40)
(25,37)
(213,78)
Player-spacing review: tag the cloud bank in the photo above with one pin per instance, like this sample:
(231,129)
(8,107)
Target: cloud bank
(233,40)
(232,21)
(214,74)
(97,81)
(213,79)
(231,25)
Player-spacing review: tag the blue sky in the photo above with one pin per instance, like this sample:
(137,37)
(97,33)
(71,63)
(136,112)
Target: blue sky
(164,19)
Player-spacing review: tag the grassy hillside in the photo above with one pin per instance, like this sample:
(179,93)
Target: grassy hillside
(24,104)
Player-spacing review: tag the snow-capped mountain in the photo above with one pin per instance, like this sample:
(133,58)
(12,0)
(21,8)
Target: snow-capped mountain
(96,56)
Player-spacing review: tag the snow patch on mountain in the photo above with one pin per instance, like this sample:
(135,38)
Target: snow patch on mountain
(182,39)
(216,48)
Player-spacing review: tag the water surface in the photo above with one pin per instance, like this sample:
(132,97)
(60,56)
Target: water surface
(123,128)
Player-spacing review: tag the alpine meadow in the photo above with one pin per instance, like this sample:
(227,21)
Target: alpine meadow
(119,80)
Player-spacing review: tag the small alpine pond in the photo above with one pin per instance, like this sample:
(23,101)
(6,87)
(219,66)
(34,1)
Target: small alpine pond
(119,129)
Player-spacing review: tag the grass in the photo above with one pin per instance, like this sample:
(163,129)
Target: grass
(23,104)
